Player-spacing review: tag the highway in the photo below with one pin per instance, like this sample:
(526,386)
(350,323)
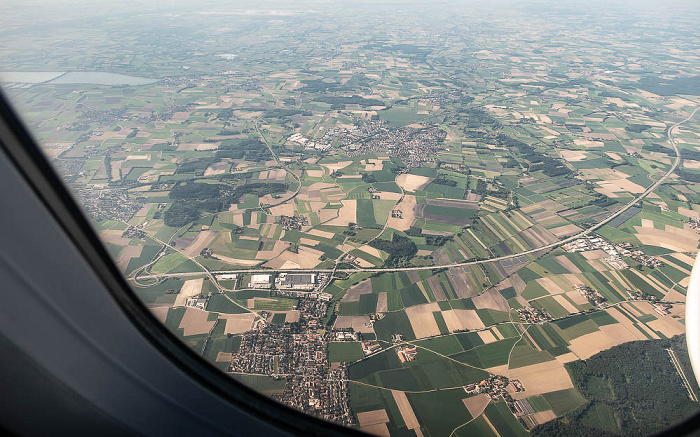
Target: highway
(649,190)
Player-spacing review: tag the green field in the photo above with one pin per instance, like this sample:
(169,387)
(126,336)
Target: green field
(394,323)
(503,420)
(344,351)
(440,412)
(563,401)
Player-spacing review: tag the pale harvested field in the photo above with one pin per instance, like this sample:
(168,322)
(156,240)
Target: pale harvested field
(308,241)
(160,313)
(410,182)
(684,258)
(544,417)
(639,308)
(491,299)
(306,258)
(469,319)
(476,404)
(238,323)
(565,303)
(573,155)
(566,358)
(372,417)
(541,378)
(114,236)
(327,214)
(370,251)
(679,242)
(347,214)
(144,210)
(577,297)
(626,323)
(667,326)
(382,302)
(687,212)
(195,322)
(287,209)
(609,188)
(373,164)
(675,296)
(279,247)
(379,429)
(315,173)
(357,323)
(451,320)
(224,357)
(565,231)
(125,256)
(316,205)
(217,168)
(197,146)
(353,294)
(336,166)
(409,417)
(387,195)
(236,261)
(550,286)
(203,239)
(487,337)
(238,219)
(322,234)
(590,344)
(191,287)
(422,319)
(594,254)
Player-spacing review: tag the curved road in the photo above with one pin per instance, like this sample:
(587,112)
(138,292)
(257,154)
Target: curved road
(581,234)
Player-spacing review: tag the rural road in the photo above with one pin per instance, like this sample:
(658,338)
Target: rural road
(581,234)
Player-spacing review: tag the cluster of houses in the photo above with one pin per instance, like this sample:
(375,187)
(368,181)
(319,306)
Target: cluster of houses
(289,223)
(594,297)
(694,223)
(494,386)
(530,314)
(134,232)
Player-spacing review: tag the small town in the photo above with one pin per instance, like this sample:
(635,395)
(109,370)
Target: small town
(298,352)
(415,147)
